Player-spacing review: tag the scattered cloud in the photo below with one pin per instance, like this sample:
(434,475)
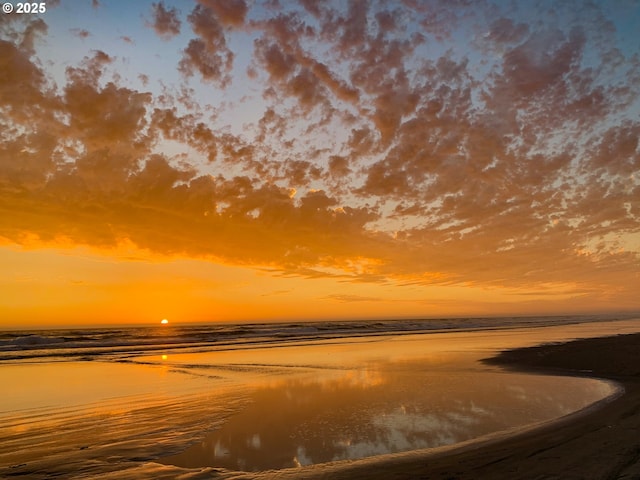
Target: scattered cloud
(230,13)
(165,21)
(81,32)
(511,160)
(207,54)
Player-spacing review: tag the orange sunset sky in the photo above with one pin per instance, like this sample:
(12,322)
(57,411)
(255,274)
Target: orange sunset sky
(288,160)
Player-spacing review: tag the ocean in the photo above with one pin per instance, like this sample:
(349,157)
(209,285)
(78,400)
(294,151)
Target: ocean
(217,400)
(116,343)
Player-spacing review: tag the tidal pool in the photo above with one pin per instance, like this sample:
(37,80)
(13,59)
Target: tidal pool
(356,400)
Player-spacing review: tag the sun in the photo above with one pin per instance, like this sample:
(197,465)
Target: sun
(164,321)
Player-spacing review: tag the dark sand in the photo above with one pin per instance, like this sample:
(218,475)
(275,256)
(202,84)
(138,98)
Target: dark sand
(601,442)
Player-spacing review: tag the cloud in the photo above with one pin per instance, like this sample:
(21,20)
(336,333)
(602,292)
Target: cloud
(22,83)
(542,60)
(351,298)
(108,184)
(165,21)
(81,32)
(229,13)
(207,54)
(506,31)
(511,160)
(103,117)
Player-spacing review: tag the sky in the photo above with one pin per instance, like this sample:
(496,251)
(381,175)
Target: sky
(271,160)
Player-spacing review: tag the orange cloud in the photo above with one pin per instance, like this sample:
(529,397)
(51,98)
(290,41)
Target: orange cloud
(508,161)
(165,21)
(207,54)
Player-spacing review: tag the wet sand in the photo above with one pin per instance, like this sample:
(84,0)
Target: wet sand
(602,442)
(126,436)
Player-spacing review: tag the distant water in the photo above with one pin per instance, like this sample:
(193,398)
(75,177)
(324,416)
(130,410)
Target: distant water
(119,342)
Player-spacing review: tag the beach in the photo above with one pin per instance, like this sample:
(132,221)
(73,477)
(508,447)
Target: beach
(602,442)
(467,403)
(319,239)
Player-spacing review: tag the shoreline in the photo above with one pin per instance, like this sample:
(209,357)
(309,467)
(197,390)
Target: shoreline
(93,342)
(601,441)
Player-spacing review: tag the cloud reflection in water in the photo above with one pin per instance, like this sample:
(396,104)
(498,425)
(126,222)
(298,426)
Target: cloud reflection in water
(355,414)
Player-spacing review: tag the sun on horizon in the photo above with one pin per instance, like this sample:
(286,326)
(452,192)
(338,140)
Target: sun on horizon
(164,321)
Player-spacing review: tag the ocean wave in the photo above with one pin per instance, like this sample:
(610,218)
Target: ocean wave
(94,343)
